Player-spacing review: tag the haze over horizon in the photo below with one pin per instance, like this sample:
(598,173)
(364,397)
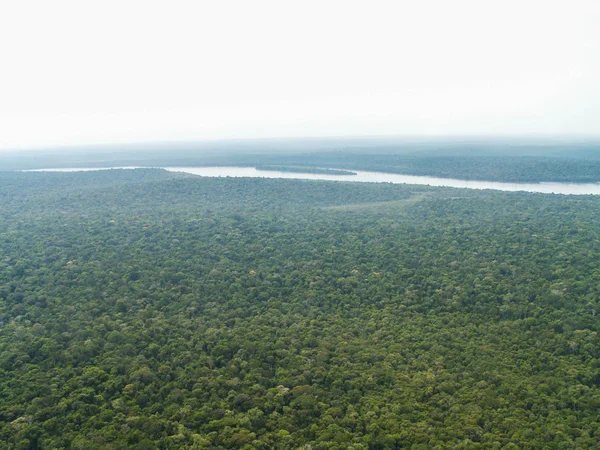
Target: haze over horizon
(113,72)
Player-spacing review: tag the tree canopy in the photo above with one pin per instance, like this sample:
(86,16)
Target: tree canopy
(145,309)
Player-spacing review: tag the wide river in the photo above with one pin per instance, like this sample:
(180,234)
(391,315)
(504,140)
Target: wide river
(378,177)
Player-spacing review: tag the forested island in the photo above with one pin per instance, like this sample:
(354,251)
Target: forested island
(306,169)
(145,309)
(519,169)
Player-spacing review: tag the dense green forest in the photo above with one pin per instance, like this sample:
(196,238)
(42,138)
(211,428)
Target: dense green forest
(142,309)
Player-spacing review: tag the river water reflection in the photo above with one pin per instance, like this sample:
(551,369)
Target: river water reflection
(377,177)
(381,177)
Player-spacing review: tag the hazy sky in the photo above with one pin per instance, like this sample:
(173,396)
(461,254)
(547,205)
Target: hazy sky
(118,71)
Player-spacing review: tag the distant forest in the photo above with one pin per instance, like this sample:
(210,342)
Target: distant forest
(145,309)
(492,159)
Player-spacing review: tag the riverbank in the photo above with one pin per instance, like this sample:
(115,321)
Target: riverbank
(364,176)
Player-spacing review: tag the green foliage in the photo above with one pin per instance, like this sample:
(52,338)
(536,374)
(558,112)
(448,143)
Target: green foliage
(146,309)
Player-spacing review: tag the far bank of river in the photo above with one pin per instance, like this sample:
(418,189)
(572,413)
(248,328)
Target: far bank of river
(376,177)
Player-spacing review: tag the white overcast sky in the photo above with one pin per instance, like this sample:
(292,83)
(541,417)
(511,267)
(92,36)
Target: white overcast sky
(77,72)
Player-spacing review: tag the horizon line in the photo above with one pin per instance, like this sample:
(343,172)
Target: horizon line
(288,139)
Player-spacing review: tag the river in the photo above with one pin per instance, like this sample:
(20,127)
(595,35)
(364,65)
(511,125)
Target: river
(377,177)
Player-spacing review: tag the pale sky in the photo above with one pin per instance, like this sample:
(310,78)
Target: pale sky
(90,72)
